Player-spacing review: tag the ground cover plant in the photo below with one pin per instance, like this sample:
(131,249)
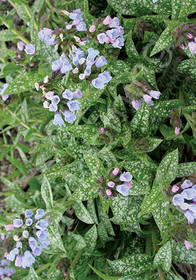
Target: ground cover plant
(98,139)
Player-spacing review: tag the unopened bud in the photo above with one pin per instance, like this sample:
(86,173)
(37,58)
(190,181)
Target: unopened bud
(37,86)
(25,234)
(46,79)
(61,36)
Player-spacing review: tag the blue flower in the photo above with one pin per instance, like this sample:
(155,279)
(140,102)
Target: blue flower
(190,216)
(18,261)
(123,189)
(62,64)
(5,96)
(58,120)
(55,99)
(18,244)
(69,116)
(126,177)
(27,259)
(100,81)
(42,234)
(44,242)
(100,61)
(73,105)
(37,251)
(119,43)
(188,194)
(39,214)
(81,26)
(3,262)
(77,93)
(28,213)
(29,49)
(42,224)
(114,22)
(68,94)
(28,222)
(46,36)
(11,255)
(102,37)
(178,200)
(32,243)
(17,223)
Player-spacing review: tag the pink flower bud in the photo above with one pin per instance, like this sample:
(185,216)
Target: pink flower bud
(19,56)
(128,184)
(108,192)
(175,189)
(107,40)
(110,184)
(9,227)
(92,28)
(115,171)
(183,46)
(31,64)
(189,35)
(188,244)
(177,130)
(20,45)
(147,98)
(107,20)
(102,129)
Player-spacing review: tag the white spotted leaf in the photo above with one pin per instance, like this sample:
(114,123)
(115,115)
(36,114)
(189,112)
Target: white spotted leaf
(164,41)
(163,257)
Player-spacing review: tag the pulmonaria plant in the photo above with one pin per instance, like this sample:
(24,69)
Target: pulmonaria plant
(139,91)
(31,237)
(115,183)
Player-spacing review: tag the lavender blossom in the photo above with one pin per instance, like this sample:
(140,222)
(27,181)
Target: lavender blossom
(28,213)
(123,189)
(39,214)
(69,116)
(126,177)
(5,96)
(30,49)
(17,223)
(58,120)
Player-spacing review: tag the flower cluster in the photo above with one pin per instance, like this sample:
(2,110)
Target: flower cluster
(65,105)
(108,187)
(26,245)
(185,35)
(29,48)
(141,26)
(186,199)
(77,20)
(4,96)
(85,65)
(139,91)
(105,135)
(175,120)
(47,36)
(5,270)
(114,35)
